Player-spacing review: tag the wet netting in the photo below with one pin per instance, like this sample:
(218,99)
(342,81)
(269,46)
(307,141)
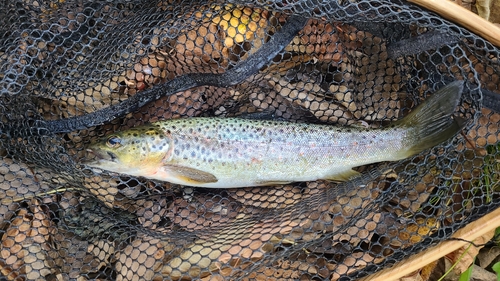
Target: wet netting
(73,72)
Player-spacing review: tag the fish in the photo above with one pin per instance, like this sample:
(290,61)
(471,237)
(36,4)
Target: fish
(231,152)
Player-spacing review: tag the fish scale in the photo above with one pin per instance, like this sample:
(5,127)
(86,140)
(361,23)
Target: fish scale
(237,152)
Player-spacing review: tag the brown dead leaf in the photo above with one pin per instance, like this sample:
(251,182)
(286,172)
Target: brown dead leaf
(414,276)
(425,272)
(487,256)
(489,10)
(481,274)
(464,256)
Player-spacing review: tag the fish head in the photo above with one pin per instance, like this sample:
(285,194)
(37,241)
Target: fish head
(137,151)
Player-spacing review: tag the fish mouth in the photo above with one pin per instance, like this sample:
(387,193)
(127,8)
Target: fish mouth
(96,156)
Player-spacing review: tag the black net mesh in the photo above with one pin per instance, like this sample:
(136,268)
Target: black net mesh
(74,71)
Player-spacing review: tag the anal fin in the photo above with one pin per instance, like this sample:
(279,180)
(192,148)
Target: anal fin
(343,175)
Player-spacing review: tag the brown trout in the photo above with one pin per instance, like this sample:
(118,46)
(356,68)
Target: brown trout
(236,152)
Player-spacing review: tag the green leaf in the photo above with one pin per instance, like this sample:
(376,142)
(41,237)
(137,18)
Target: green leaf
(496,268)
(466,275)
(496,237)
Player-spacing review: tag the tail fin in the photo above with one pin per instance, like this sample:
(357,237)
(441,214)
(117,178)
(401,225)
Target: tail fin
(433,122)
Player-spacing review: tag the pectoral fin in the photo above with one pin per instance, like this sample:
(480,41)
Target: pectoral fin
(343,176)
(189,175)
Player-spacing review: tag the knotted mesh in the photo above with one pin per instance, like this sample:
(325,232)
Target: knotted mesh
(74,71)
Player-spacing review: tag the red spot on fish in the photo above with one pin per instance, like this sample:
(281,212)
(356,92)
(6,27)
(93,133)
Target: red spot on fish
(256,161)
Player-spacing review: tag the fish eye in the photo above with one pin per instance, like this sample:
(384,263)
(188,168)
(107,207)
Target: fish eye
(113,142)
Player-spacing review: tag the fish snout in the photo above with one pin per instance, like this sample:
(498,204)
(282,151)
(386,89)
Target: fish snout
(97,155)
